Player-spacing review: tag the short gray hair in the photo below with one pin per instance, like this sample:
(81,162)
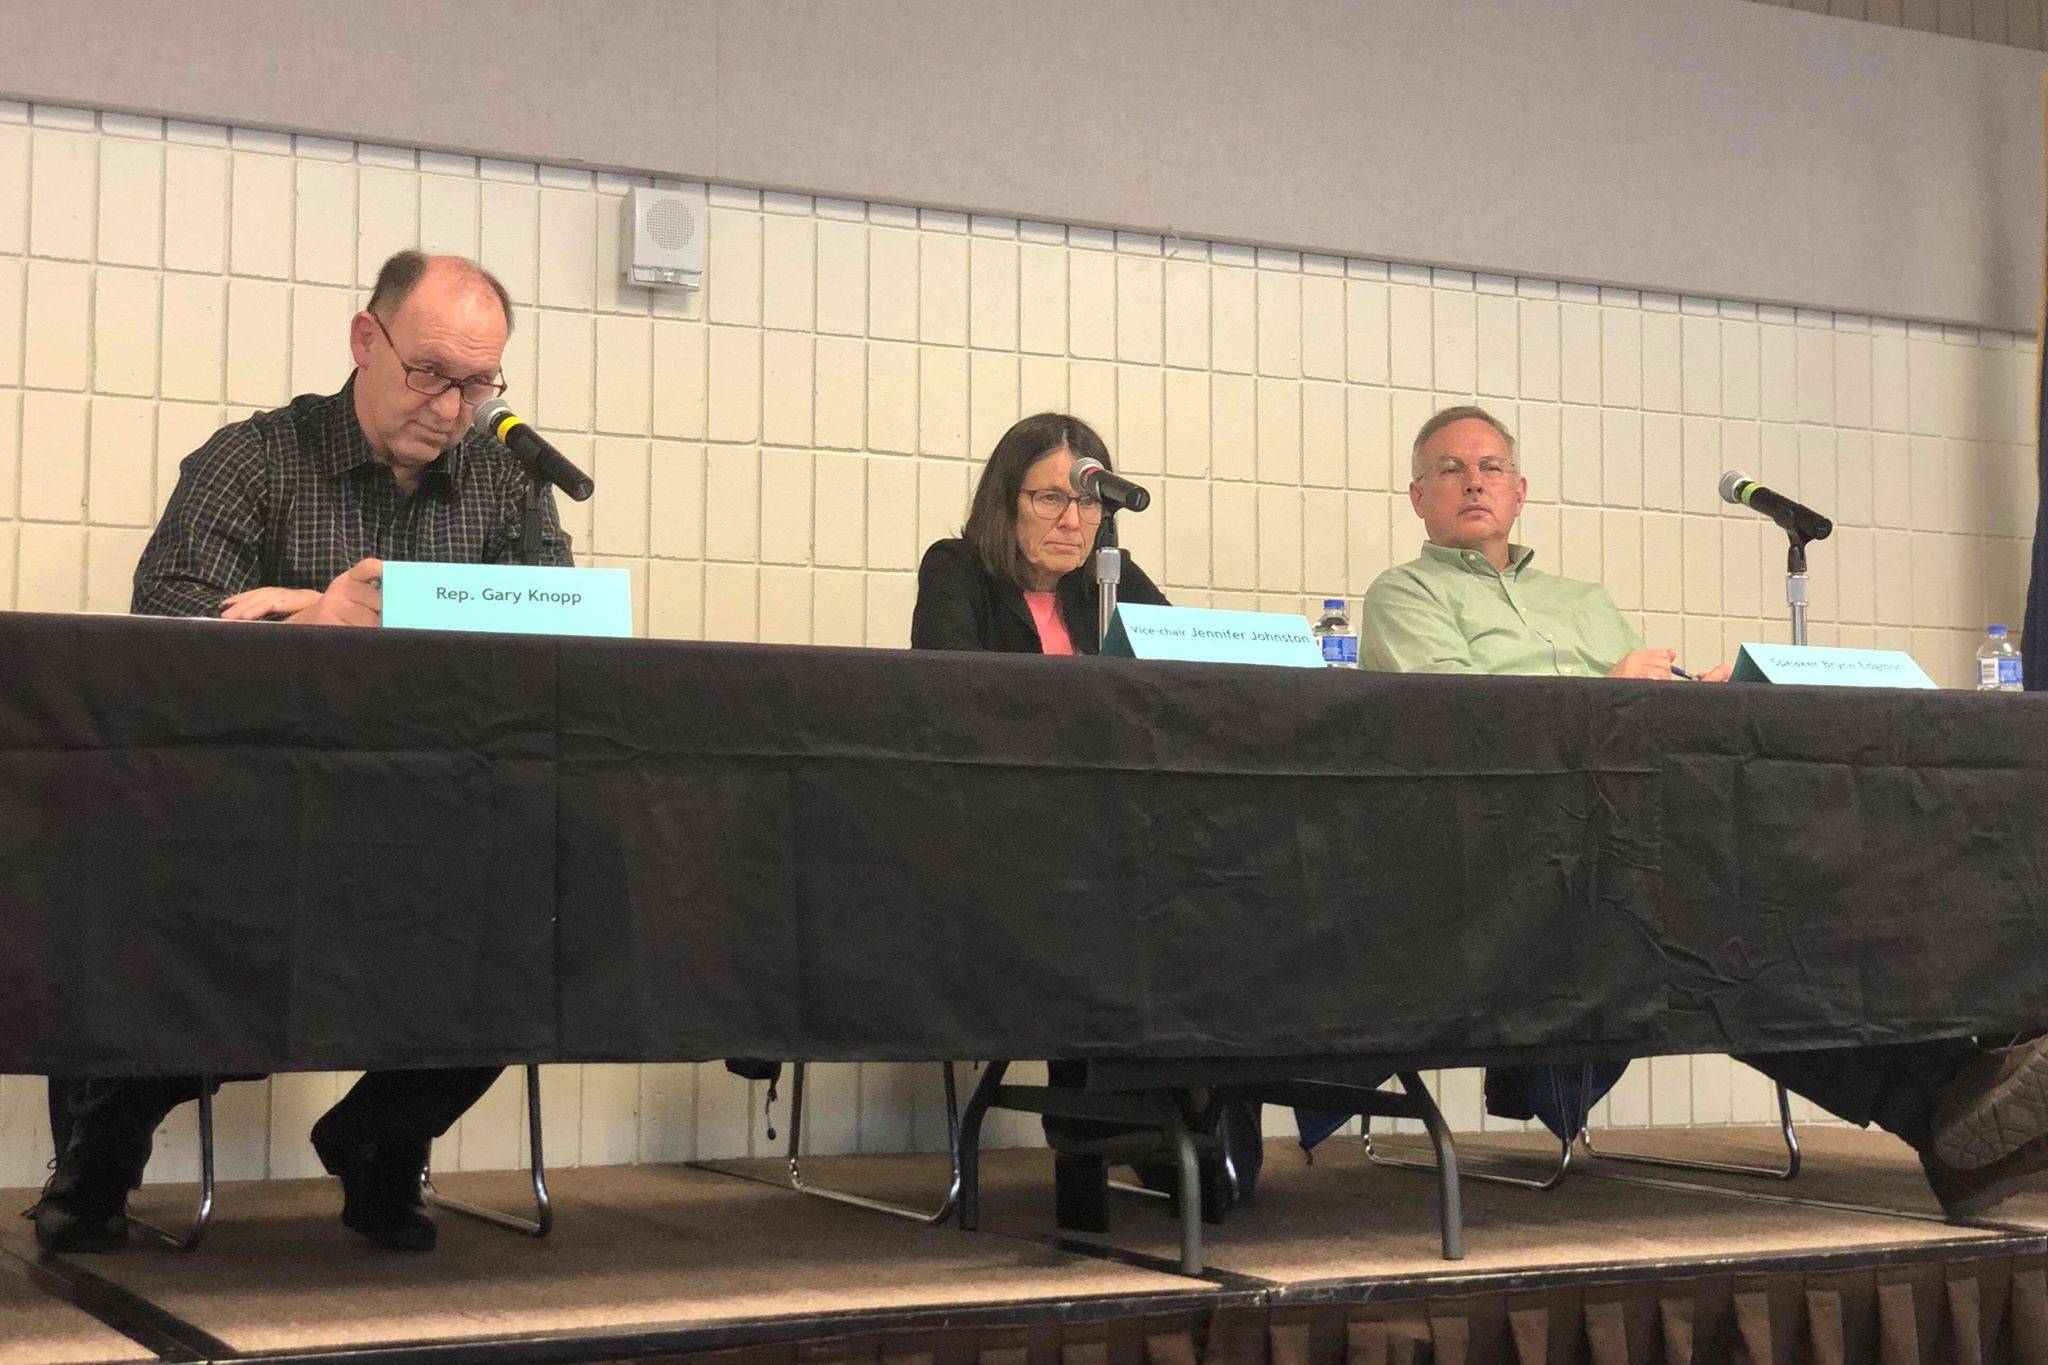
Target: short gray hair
(1443,419)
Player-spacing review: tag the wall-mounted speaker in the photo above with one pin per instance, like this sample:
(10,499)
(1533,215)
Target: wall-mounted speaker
(661,237)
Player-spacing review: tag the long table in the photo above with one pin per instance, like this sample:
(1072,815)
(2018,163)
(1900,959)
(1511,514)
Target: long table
(240,848)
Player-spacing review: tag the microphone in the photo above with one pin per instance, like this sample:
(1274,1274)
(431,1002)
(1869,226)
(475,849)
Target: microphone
(1802,522)
(496,418)
(1089,478)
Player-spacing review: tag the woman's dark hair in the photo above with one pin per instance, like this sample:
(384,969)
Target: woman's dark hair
(992,518)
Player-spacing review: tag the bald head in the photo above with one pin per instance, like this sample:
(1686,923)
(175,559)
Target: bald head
(452,277)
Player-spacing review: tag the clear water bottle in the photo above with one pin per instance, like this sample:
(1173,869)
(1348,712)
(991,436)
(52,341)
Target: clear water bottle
(1339,640)
(1998,663)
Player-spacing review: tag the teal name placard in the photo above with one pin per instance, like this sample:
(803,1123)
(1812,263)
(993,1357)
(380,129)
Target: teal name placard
(513,599)
(1200,635)
(1830,666)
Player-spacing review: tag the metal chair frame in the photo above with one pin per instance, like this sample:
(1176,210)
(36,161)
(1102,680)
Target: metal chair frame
(929,1217)
(1415,1102)
(1156,1109)
(1787,1171)
(544,1209)
(538,1226)
(933,1217)
(1159,1109)
(1583,1138)
(189,1239)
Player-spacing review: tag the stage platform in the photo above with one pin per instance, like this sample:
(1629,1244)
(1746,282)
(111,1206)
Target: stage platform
(1334,1263)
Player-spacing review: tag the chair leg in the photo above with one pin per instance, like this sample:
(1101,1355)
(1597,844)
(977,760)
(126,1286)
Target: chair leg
(189,1239)
(1378,1156)
(969,1144)
(930,1217)
(1183,1145)
(544,1209)
(1450,1211)
(1785,1171)
(1233,1188)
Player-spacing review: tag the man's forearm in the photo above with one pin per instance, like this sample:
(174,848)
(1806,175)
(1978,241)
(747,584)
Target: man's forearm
(165,596)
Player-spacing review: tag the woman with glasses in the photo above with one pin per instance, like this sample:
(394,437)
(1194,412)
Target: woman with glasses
(1019,580)
(1019,577)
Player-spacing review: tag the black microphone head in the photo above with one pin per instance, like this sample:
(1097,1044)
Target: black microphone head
(1731,486)
(488,414)
(1081,478)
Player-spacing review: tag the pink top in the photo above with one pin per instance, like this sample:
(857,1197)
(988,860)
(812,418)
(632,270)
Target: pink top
(1052,631)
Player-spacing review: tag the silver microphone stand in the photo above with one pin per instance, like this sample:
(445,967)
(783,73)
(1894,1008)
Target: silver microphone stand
(1109,571)
(1795,588)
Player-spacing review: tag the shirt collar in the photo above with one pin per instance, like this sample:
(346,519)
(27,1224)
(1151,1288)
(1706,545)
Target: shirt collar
(346,447)
(1471,561)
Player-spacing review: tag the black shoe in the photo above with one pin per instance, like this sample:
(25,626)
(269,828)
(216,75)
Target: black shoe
(79,1212)
(1970,1193)
(380,1191)
(1990,1137)
(62,1225)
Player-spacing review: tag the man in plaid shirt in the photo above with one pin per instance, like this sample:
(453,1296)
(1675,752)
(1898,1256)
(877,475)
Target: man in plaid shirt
(289,516)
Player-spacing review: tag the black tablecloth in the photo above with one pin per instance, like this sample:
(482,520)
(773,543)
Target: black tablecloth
(243,847)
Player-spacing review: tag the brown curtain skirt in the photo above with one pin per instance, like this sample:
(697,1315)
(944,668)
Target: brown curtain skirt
(1984,1310)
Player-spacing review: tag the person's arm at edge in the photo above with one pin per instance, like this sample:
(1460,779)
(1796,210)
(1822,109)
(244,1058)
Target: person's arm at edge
(208,545)
(1631,638)
(1403,629)
(946,588)
(1635,659)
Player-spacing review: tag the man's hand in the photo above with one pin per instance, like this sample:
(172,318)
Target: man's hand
(258,604)
(1644,663)
(1718,673)
(356,598)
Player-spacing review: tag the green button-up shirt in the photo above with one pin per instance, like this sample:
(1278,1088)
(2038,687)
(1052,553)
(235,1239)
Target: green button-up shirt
(1451,611)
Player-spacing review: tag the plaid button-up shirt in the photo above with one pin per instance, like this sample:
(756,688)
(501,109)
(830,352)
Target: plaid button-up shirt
(292,498)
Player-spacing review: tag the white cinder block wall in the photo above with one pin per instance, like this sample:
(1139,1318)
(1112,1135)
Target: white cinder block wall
(773,456)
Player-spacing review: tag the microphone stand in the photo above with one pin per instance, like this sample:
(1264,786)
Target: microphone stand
(1109,571)
(529,525)
(1795,585)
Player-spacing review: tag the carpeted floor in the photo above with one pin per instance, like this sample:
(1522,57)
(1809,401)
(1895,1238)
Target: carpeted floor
(37,1329)
(666,1247)
(1343,1218)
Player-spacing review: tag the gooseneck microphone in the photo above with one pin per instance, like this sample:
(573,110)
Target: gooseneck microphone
(1089,478)
(496,418)
(1799,521)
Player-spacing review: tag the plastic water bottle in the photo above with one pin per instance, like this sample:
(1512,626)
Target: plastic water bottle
(1339,640)
(1998,663)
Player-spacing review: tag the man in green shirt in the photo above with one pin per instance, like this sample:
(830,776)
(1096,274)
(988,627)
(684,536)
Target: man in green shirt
(1473,604)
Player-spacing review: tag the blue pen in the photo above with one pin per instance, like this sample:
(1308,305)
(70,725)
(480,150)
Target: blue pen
(1678,672)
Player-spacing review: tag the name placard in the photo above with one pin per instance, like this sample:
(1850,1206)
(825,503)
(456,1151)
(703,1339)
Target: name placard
(1201,635)
(1827,665)
(513,599)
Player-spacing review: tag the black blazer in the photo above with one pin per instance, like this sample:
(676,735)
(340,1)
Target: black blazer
(960,605)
